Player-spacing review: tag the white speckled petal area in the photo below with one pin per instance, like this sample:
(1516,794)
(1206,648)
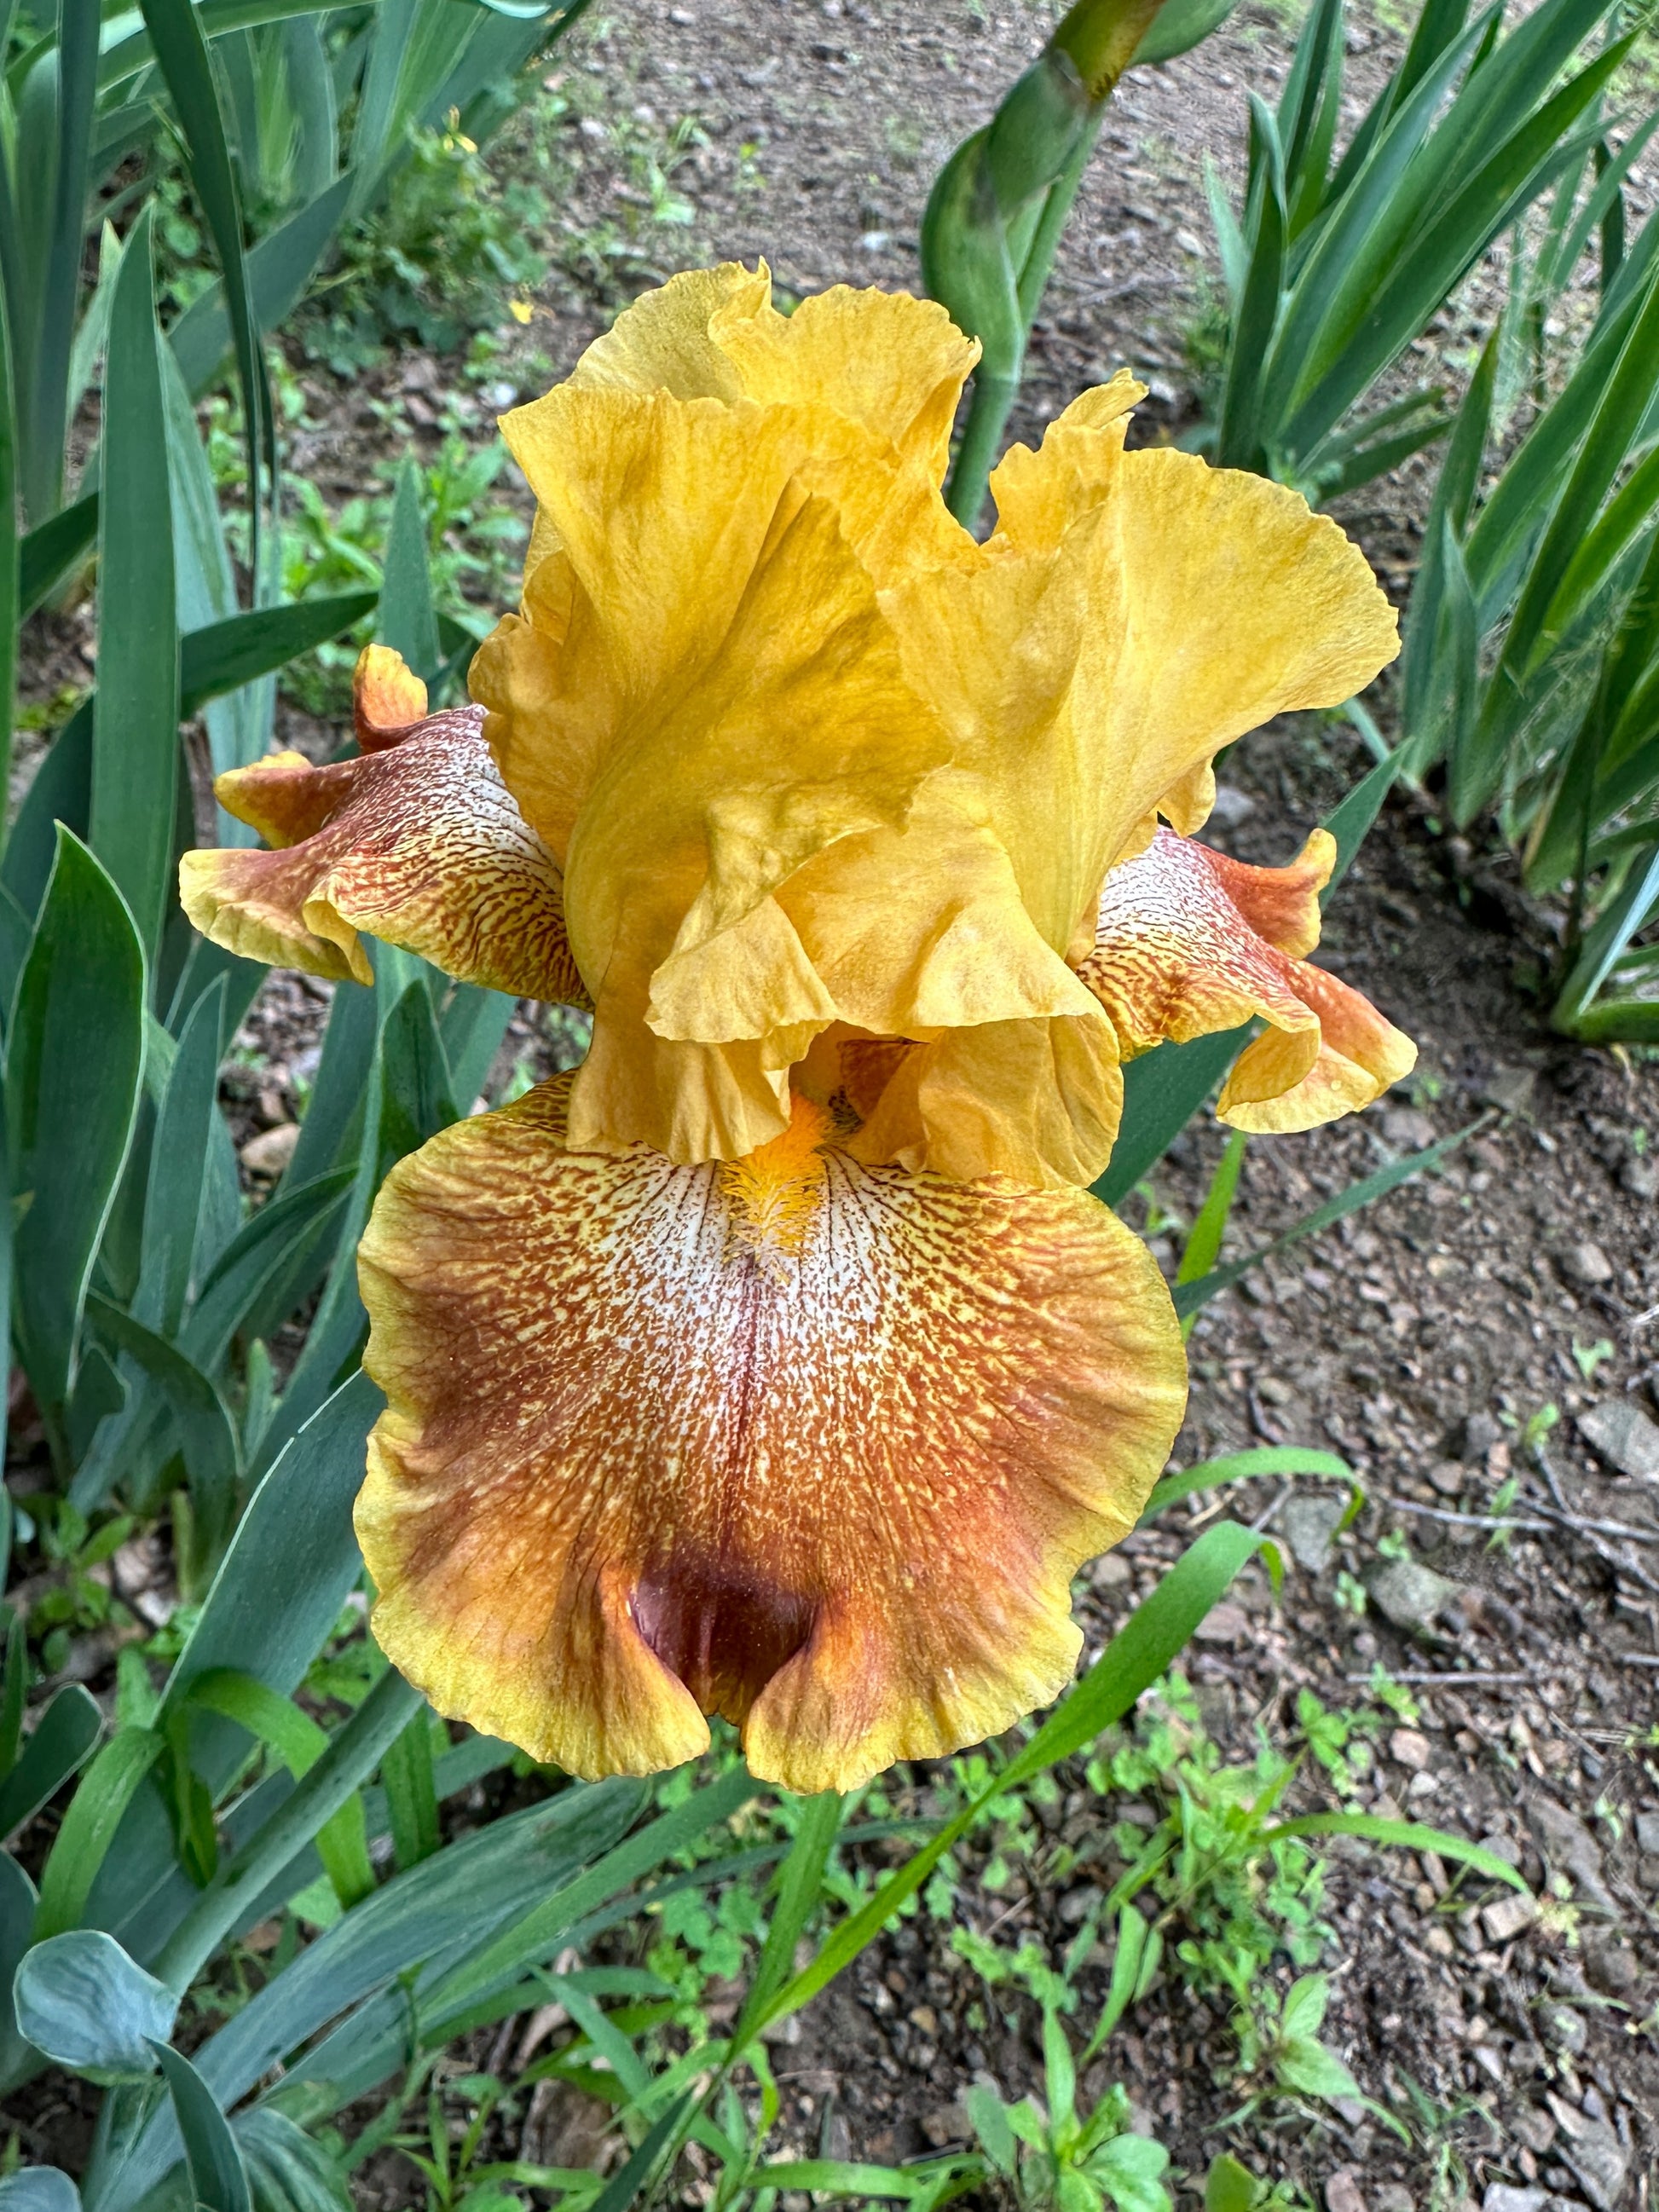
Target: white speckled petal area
(418,841)
(1190,942)
(813,1445)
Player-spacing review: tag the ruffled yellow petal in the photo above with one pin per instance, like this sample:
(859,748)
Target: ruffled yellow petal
(1191,943)
(1238,602)
(1039,495)
(417,842)
(812,1445)
(894,364)
(664,342)
(724,704)
(1037,1101)
(814,761)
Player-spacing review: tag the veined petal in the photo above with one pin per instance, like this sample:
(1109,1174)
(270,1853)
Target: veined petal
(1190,943)
(1038,1101)
(814,1446)
(894,363)
(663,342)
(1237,602)
(416,842)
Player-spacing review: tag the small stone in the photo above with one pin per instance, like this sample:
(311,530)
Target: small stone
(1534,2128)
(1410,1594)
(1586,1265)
(1504,1919)
(1647,1833)
(1624,1435)
(1310,1526)
(949,2124)
(1567,1844)
(1420,1786)
(1407,1129)
(1449,1476)
(1232,806)
(1640,1177)
(1342,2191)
(1565,2029)
(1480,1433)
(1074,1906)
(270,1153)
(1502,1847)
(1394,2197)
(1223,1624)
(1189,242)
(1595,2154)
(1509,1088)
(1439,1942)
(1502,2196)
(1110,1573)
(1409,1748)
(1611,1963)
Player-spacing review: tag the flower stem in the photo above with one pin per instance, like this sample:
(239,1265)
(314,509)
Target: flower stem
(981,437)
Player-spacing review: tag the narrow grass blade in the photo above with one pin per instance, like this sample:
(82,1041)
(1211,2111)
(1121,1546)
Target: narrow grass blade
(181,54)
(1203,1246)
(411,1794)
(1408,1835)
(61,1741)
(1189,1297)
(1241,1466)
(218,658)
(47,553)
(279,269)
(89,1827)
(218,2179)
(135,711)
(76,86)
(407,621)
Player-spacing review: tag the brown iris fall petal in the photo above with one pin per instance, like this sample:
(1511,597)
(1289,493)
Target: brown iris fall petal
(418,841)
(1190,942)
(812,1445)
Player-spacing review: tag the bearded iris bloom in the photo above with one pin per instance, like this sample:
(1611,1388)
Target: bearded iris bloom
(778,1364)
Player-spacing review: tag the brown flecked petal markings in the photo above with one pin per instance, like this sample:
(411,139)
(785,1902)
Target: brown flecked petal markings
(1189,942)
(418,841)
(813,1445)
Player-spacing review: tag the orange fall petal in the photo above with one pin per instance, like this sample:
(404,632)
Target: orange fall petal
(418,841)
(810,1445)
(1190,942)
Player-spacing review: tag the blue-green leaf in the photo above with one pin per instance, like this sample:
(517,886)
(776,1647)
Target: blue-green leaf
(83,2001)
(134,763)
(74,1061)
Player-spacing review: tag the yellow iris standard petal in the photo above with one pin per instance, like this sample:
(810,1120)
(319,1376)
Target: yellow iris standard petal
(1235,602)
(812,1445)
(813,761)
(894,364)
(1191,943)
(418,841)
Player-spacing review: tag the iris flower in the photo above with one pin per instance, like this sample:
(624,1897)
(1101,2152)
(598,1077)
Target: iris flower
(779,1363)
